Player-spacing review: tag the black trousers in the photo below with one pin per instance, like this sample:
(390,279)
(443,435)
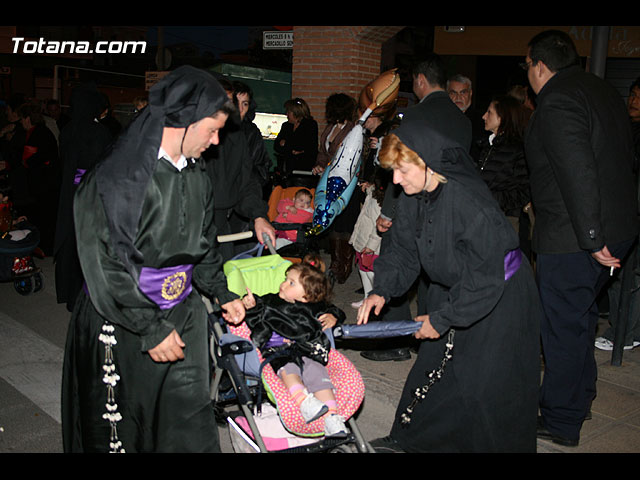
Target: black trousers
(568,286)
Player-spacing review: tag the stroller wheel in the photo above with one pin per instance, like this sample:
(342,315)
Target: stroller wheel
(38,282)
(24,286)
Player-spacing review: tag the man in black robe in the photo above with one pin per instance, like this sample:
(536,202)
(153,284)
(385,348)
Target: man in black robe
(136,369)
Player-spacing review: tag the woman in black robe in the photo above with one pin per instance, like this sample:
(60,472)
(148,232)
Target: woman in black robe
(474,385)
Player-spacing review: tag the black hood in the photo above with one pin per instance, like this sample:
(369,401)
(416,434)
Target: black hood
(183,97)
(86,103)
(440,153)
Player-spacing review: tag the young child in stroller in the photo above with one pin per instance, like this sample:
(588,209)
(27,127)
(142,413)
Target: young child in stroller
(288,328)
(296,210)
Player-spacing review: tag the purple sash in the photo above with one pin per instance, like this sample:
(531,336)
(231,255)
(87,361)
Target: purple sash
(167,286)
(512,262)
(78,176)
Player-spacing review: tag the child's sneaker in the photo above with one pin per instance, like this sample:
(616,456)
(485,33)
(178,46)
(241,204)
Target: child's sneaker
(312,408)
(334,426)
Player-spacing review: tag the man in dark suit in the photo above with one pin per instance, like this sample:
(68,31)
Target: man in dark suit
(580,155)
(438,111)
(460,90)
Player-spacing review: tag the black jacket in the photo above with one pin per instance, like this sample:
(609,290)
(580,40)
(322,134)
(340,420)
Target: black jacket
(580,153)
(303,139)
(298,322)
(504,169)
(230,168)
(257,150)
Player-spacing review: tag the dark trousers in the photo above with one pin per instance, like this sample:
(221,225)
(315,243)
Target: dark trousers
(569,285)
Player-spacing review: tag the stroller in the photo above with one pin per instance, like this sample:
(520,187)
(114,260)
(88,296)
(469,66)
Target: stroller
(17,243)
(238,379)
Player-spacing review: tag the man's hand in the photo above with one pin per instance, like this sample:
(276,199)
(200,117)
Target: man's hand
(233,311)
(604,258)
(169,350)
(261,225)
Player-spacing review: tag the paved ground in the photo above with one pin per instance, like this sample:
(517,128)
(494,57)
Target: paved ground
(32,334)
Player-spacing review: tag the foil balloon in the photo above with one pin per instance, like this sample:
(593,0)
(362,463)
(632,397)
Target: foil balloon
(340,178)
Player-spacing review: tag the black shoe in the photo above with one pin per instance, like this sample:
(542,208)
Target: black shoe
(392,354)
(545,434)
(386,445)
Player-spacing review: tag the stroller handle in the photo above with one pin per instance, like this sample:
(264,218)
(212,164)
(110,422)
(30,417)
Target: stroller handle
(267,242)
(232,237)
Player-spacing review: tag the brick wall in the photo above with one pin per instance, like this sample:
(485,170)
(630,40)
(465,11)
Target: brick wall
(335,59)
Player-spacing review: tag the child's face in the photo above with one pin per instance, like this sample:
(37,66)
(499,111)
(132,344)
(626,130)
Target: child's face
(302,201)
(291,289)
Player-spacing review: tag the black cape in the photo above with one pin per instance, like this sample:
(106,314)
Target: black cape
(83,142)
(486,400)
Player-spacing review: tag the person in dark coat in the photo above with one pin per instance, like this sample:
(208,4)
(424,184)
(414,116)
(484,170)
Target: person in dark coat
(579,150)
(83,142)
(473,387)
(632,337)
(237,195)
(460,89)
(12,140)
(502,164)
(244,101)
(296,146)
(41,160)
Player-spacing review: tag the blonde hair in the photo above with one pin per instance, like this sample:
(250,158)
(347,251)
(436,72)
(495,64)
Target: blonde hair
(393,151)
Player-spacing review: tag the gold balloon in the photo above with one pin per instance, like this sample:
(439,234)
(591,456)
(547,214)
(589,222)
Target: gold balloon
(380,94)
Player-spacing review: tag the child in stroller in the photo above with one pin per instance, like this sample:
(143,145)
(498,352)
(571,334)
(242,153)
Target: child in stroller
(288,329)
(296,210)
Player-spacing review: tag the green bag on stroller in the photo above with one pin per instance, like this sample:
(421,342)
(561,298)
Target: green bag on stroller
(266,273)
